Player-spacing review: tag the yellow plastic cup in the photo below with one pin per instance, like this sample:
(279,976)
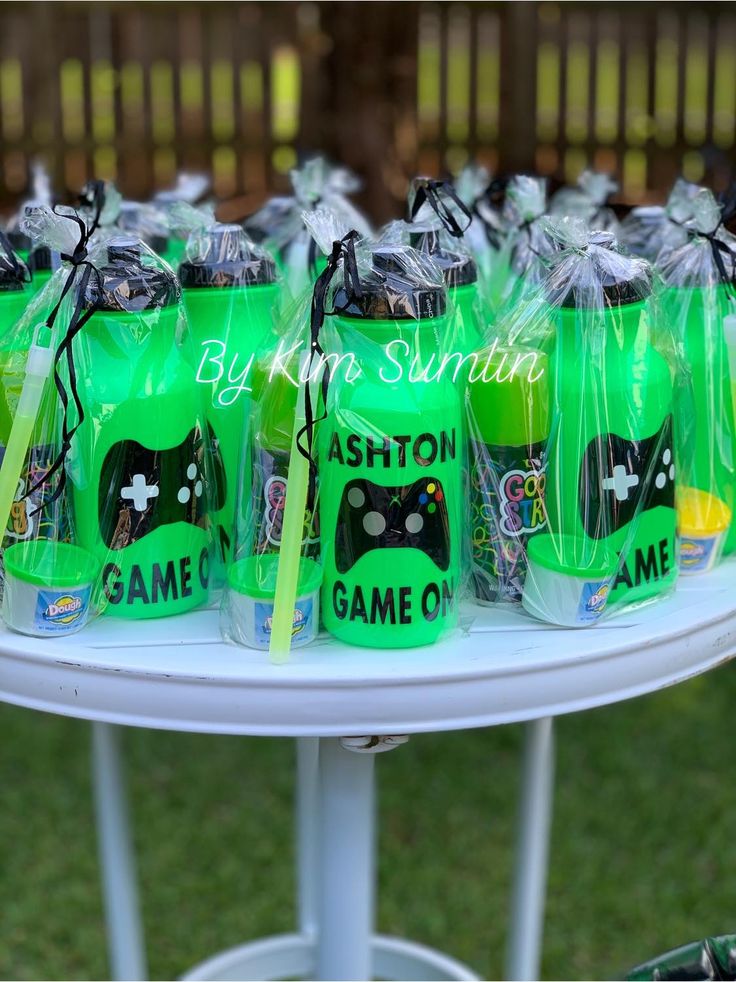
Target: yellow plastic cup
(703,521)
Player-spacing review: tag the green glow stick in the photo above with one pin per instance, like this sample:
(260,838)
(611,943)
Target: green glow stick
(38,369)
(290,551)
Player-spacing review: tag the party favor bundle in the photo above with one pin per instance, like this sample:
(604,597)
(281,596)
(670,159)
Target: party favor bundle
(384,437)
(570,419)
(700,305)
(108,455)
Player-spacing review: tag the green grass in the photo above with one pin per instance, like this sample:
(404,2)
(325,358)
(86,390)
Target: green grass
(643,848)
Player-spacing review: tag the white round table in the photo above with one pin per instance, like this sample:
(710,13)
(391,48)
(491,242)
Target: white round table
(345,704)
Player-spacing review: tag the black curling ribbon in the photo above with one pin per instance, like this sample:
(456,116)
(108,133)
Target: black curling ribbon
(720,249)
(436,195)
(343,250)
(64,350)
(495,189)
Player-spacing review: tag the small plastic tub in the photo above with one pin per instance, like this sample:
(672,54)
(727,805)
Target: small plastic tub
(48,587)
(703,522)
(562,585)
(252,583)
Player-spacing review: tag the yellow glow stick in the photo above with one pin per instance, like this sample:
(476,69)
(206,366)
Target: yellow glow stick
(290,551)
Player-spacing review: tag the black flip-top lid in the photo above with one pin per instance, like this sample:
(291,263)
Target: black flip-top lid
(19,240)
(127,283)
(228,262)
(401,286)
(14,273)
(457,269)
(43,260)
(620,279)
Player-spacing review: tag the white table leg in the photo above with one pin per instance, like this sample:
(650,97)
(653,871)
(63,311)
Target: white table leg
(532,853)
(117,857)
(346,882)
(307,832)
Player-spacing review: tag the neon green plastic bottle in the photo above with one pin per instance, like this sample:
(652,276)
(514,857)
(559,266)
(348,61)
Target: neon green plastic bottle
(710,457)
(611,468)
(390,456)
(230,294)
(138,464)
(15,292)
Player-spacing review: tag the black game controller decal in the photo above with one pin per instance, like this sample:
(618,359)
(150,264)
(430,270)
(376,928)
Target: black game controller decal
(619,477)
(412,516)
(141,490)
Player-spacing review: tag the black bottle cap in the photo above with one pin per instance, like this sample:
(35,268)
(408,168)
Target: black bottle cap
(227,262)
(457,269)
(44,260)
(14,274)
(615,278)
(19,240)
(401,286)
(125,283)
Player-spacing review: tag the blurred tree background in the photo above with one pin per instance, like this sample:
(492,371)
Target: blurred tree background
(136,91)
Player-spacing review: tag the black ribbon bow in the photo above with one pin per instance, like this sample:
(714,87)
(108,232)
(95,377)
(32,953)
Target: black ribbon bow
(77,259)
(438,195)
(343,251)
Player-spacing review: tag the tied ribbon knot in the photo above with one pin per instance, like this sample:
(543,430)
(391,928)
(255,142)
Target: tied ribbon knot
(80,316)
(496,189)
(438,195)
(342,253)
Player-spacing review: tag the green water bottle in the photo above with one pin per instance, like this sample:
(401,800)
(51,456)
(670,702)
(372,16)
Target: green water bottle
(508,422)
(461,279)
(138,464)
(611,467)
(390,456)
(709,460)
(230,294)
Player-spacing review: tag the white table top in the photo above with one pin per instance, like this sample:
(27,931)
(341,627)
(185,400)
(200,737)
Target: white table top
(177,674)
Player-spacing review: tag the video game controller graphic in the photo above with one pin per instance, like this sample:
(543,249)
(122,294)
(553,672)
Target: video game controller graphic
(141,489)
(412,516)
(619,478)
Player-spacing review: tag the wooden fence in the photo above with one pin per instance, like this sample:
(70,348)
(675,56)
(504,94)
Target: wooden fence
(136,91)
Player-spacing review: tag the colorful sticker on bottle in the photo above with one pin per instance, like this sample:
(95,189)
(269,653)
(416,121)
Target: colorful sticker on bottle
(696,554)
(269,495)
(507,489)
(593,601)
(59,611)
(302,629)
(31,517)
